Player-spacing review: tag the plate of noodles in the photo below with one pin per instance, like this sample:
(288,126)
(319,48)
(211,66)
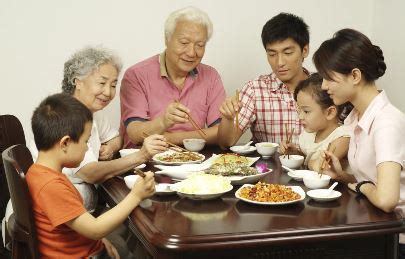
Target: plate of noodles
(270,194)
(171,157)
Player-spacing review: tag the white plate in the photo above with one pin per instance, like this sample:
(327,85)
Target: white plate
(239,180)
(163,189)
(324,195)
(166,153)
(296,189)
(298,175)
(209,196)
(243,152)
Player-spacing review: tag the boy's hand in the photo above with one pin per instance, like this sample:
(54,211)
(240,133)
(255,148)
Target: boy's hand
(106,152)
(332,167)
(153,145)
(111,250)
(144,187)
(229,108)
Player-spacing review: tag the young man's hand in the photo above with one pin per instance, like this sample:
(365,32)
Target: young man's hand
(229,108)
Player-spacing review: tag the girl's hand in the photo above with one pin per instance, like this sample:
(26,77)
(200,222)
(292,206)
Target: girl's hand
(153,145)
(144,187)
(106,152)
(229,108)
(111,250)
(352,186)
(284,146)
(333,167)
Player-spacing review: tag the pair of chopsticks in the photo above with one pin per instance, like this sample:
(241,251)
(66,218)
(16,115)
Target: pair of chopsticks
(194,124)
(137,171)
(173,147)
(288,140)
(326,159)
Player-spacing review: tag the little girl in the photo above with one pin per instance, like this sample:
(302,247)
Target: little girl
(321,120)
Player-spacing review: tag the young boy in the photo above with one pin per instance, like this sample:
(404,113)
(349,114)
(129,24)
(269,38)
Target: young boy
(61,126)
(266,103)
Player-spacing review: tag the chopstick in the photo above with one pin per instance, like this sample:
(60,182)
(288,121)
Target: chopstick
(237,112)
(325,159)
(288,141)
(139,172)
(194,124)
(170,144)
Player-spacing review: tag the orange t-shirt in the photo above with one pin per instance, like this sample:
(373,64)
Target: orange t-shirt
(56,201)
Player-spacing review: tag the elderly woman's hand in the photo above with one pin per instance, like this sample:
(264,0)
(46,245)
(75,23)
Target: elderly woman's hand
(175,113)
(229,108)
(106,152)
(154,144)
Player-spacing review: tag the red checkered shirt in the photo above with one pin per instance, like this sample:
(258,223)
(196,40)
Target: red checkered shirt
(267,105)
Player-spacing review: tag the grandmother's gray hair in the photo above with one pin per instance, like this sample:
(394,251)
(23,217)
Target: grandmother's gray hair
(84,62)
(190,14)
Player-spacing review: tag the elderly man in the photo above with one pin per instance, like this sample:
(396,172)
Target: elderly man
(160,94)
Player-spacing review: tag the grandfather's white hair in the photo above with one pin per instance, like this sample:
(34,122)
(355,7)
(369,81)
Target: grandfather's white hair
(191,14)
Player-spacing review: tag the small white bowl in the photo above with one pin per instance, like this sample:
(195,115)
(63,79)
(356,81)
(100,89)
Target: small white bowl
(163,189)
(266,149)
(298,175)
(324,195)
(130,180)
(127,151)
(194,144)
(316,181)
(292,161)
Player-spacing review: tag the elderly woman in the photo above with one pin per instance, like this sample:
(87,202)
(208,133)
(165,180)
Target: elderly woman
(91,75)
(159,93)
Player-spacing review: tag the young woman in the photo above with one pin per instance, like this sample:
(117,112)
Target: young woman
(322,122)
(350,64)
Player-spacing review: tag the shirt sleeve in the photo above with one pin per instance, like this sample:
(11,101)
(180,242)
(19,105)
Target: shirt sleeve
(216,96)
(133,96)
(60,203)
(105,130)
(389,141)
(247,113)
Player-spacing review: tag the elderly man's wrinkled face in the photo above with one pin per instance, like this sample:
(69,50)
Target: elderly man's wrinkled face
(98,89)
(186,47)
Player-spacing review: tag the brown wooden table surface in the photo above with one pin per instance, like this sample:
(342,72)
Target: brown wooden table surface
(172,227)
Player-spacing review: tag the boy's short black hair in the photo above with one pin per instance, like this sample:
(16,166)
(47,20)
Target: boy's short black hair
(284,26)
(57,116)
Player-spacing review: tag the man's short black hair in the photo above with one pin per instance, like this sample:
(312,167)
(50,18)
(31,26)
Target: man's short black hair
(57,116)
(284,26)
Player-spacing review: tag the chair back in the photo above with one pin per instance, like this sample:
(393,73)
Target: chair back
(17,159)
(11,133)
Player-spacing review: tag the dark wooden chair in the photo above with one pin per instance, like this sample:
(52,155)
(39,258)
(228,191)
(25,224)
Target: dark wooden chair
(17,159)
(11,133)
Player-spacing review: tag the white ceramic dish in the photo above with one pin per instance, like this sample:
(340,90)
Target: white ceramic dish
(237,150)
(130,180)
(296,189)
(163,189)
(157,158)
(127,151)
(194,144)
(292,161)
(316,181)
(239,180)
(266,149)
(298,175)
(322,195)
(200,196)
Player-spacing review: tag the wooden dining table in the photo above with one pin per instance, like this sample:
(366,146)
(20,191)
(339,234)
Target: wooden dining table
(174,227)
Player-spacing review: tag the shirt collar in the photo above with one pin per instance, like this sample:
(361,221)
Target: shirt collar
(163,70)
(370,113)
(278,84)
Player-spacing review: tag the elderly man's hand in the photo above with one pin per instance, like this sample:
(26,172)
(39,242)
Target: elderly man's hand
(175,113)
(229,108)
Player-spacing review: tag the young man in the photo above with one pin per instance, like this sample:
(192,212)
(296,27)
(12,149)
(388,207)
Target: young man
(61,126)
(266,104)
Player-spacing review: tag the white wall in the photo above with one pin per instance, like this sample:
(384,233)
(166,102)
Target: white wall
(38,36)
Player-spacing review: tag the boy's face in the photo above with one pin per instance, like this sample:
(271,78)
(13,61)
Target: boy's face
(285,58)
(311,114)
(77,150)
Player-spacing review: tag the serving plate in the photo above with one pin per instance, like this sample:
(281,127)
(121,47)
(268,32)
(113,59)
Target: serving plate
(158,158)
(239,180)
(296,189)
(199,196)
